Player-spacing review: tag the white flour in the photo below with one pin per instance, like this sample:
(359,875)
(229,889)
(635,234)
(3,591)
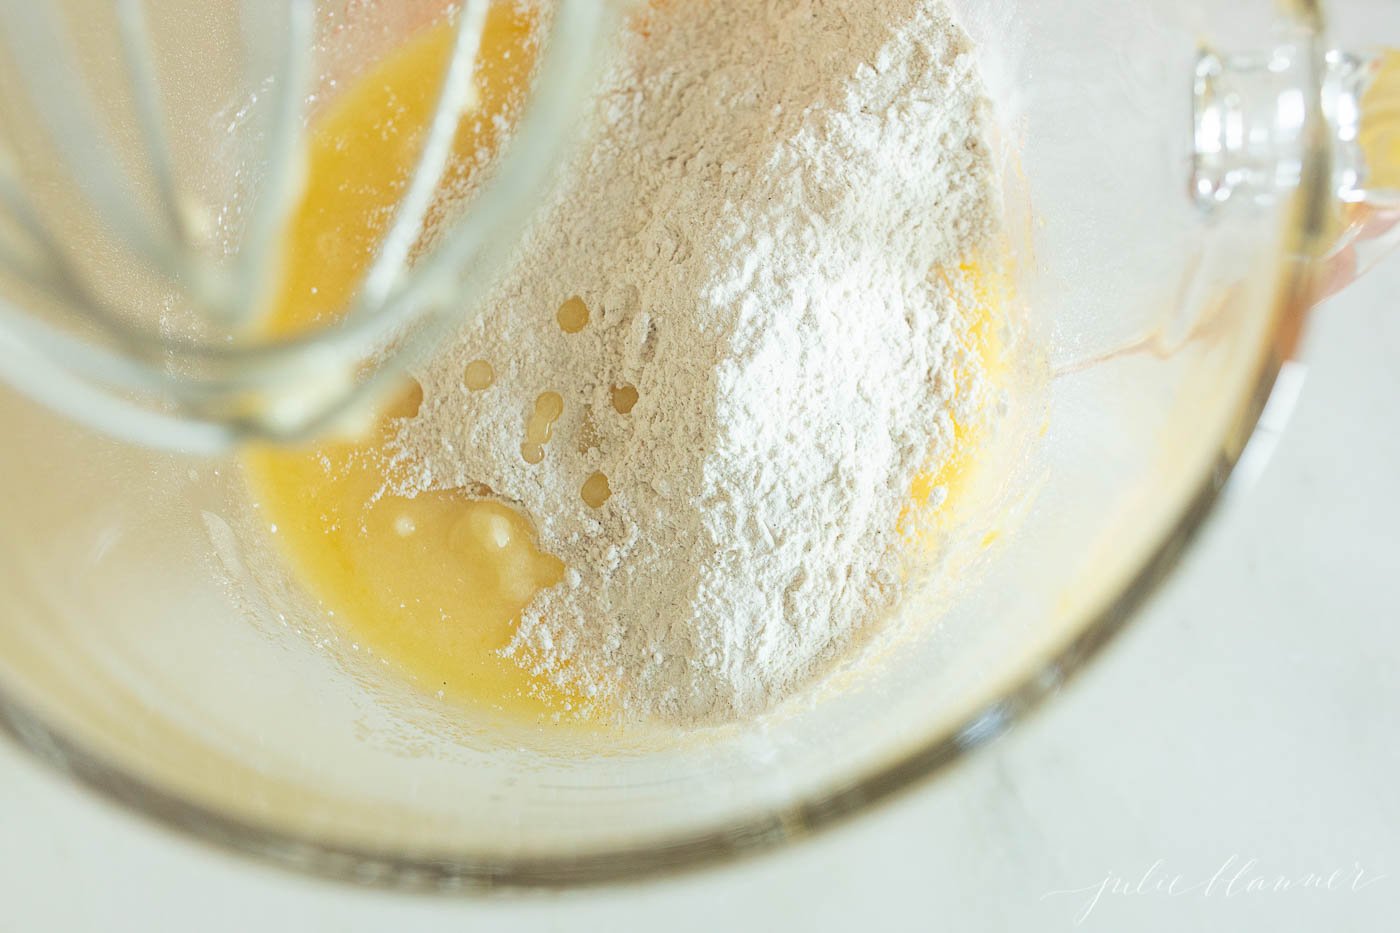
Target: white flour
(756,228)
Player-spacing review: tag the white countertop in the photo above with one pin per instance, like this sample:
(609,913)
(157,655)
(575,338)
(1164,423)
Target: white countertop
(1244,730)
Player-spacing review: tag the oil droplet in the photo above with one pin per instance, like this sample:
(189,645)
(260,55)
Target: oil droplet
(596,491)
(407,402)
(549,406)
(624,398)
(539,427)
(573,315)
(479,375)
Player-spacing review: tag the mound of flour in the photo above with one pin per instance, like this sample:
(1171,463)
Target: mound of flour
(757,227)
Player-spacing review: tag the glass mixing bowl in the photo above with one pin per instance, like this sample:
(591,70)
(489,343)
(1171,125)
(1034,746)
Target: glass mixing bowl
(1177,172)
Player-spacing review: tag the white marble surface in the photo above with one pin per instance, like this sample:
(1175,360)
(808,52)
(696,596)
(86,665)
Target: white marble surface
(1251,715)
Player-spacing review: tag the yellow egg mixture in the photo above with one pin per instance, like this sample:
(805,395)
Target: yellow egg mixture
(433,585)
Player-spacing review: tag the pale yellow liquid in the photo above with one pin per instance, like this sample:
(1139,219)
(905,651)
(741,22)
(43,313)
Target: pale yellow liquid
(433,585)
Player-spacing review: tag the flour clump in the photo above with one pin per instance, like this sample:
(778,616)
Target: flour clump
(727,348)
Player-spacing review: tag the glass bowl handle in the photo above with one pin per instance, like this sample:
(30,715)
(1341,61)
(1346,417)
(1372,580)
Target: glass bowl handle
(1250,144)
(1368,94)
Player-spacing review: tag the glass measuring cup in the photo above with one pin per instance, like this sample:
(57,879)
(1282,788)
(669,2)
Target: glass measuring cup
(1167,205)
